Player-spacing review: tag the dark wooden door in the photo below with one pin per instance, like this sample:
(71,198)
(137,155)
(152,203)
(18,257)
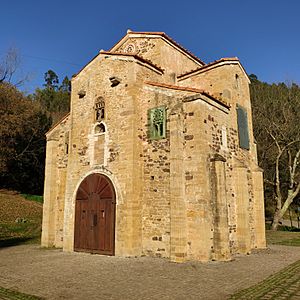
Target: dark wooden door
(95,216)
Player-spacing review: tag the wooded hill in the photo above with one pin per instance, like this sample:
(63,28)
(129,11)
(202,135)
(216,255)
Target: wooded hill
(23,124)
(276,114)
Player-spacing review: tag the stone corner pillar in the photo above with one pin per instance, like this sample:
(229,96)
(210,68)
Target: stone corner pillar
(178,237)
(50,193)
(243,234)
(259,208)
(220,211)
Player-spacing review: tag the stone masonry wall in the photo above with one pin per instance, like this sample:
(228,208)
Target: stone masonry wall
(230,82)
(55,184)
(161,53)
(194,195)
(121,151)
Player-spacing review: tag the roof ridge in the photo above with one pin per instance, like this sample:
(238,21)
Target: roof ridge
(163,34)
(209,65)
(189,89)
(135,55)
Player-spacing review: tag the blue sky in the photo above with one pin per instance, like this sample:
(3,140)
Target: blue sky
(64,35)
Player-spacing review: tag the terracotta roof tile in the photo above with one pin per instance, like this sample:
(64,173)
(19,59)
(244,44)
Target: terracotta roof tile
(140,58)
(189,89)
(208,65)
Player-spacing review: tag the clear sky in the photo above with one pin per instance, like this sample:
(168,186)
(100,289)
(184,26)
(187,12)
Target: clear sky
(63,35)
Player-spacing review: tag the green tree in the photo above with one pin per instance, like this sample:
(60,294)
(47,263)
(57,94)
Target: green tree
(54,99)
(22,143)
(65,85)
(51,80)
(276,113)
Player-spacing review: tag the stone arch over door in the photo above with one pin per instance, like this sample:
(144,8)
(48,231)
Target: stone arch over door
(95,211)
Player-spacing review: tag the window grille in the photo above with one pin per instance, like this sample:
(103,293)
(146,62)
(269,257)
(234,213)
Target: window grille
(242,120)
(99,109)
(157,123)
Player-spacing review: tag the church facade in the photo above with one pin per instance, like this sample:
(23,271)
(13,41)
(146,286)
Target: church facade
(155,158)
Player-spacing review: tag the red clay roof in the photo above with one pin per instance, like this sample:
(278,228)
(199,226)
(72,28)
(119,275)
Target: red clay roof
(189,89)
(147,61)
(162,34)
(209,65)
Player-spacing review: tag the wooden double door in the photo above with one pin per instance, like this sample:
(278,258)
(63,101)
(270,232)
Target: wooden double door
(95,216)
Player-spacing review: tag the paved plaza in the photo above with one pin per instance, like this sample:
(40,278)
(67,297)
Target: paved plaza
(53,274)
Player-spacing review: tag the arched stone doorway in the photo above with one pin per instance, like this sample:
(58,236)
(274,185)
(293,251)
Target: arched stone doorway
(95,215)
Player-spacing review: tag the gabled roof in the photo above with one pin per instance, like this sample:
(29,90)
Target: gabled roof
(137,57)
(161,35)
(189,89)
(214,64)
(58,122)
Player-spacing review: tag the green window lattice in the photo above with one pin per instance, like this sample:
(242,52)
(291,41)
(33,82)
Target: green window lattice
(157,123)
(242,120)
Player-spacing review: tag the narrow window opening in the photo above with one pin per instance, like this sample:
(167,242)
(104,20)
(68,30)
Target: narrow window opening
(237,81)
(67,143)
(224,137)
(100,128)
(100,109)
(242,122)
(157,123)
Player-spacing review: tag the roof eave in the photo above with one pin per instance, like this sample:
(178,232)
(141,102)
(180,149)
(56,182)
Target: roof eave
(213,65)
(57,123)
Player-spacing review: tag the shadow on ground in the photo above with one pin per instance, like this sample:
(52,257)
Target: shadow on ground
(14,241)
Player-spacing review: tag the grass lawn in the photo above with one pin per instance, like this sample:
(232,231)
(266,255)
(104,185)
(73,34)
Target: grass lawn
(35,198)
(283,238)
(14,295)
(20,219)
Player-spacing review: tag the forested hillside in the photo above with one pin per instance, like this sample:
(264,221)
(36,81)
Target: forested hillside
(276,114)
(23,124)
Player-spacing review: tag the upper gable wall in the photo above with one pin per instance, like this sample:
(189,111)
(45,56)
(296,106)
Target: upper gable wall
(161,53)
(231,83)
(228,81)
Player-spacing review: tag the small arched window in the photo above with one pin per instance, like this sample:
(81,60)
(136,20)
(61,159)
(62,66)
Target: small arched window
(100,128)
(237,81)
(99,109)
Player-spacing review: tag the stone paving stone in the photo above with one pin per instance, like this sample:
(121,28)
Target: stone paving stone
(280,286)
(57,275)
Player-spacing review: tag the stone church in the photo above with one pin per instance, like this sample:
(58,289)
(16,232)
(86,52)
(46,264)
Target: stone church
(156,157)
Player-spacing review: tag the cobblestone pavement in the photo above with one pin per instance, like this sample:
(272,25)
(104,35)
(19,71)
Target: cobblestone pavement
(282,285)
(54,274)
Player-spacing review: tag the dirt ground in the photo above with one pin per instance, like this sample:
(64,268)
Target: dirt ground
(54,274)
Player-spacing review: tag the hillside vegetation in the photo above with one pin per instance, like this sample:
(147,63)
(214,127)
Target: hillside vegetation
(20,219)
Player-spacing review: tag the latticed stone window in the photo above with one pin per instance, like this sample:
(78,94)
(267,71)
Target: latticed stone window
(242,120)
(99,109)
(157,123)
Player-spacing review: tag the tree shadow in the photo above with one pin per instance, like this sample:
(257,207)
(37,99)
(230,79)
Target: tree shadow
(14,241)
